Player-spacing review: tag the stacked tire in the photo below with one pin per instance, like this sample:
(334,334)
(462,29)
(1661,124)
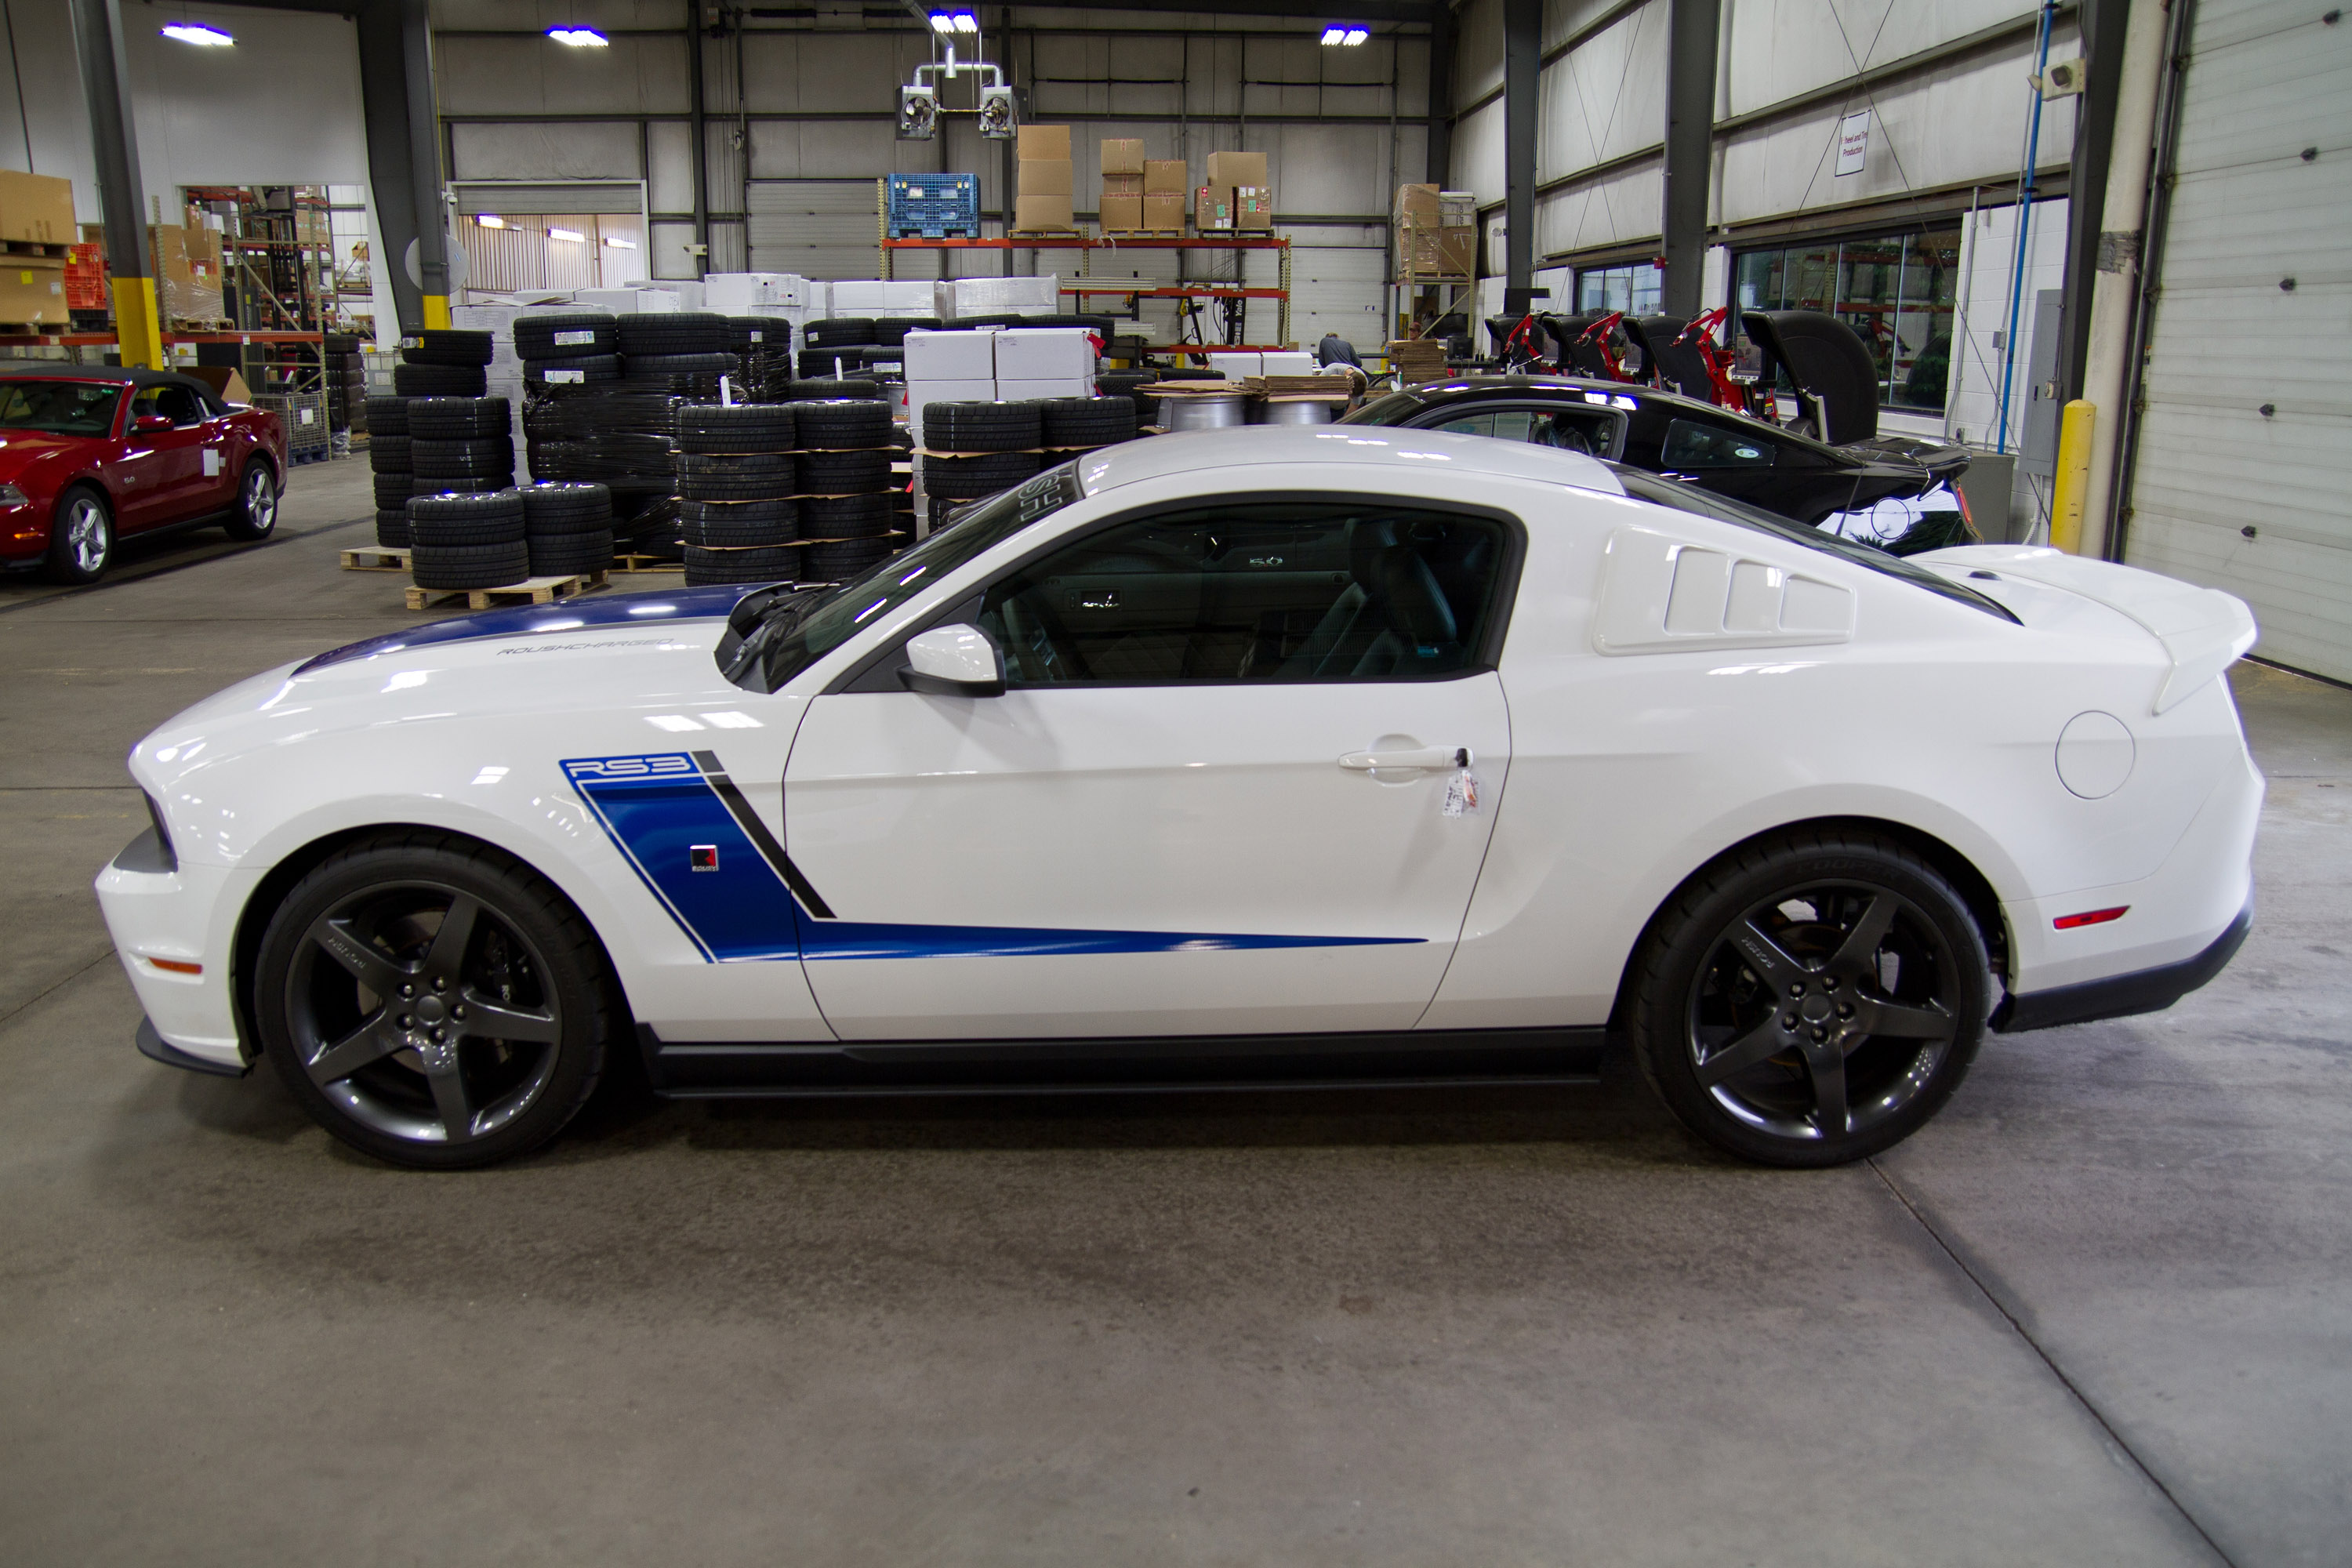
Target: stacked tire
(567,529)
(468,541)
(566,347)
(849,515)
(444,363)
(1080,423)
(388,460)
(972,451)
(460,445)
(346,379)
(737,480)
(683,352)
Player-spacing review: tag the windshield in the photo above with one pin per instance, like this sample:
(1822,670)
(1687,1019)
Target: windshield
(797,630)
(1394,409)
(1646,486)
(60,407)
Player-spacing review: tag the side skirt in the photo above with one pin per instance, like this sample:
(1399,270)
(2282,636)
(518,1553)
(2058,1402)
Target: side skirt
(1462,1058)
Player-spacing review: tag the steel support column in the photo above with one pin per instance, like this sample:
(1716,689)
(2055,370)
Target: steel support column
(391,182)
(698,155)
(432,213)
(1691,33)
(1441,96)
(1522,68)
(2102,26)
(105,86)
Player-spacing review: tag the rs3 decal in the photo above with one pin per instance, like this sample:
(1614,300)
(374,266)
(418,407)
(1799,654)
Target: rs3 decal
(705,855)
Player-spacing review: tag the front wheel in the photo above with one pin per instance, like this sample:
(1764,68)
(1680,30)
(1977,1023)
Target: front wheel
(256,503)
(81,537)
(1811,998)
(432,1001)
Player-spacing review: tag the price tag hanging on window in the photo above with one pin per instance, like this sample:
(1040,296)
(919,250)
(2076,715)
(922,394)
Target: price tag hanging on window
(1462,789)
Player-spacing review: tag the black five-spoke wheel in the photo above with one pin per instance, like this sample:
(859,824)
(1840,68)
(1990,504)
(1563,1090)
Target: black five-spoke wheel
(432,1001)
(1811,998)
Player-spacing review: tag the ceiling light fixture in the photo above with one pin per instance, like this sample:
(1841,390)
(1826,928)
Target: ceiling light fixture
(621,242)
(580,37)
(942,23)
(1355,35)
(965,22)
(571,235)
(197,32)
(489,220)
(954,22)
(1334,38)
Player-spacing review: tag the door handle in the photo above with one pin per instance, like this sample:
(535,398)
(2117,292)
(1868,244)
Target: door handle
(1425,757)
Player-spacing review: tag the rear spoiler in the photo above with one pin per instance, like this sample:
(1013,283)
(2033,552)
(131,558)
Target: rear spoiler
(2204,629)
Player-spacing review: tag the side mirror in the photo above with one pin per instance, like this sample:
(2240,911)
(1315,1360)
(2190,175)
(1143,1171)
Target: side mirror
(954,661)
(151,424)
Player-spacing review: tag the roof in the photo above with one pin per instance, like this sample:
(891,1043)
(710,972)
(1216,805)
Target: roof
(126,375)
(1364,449)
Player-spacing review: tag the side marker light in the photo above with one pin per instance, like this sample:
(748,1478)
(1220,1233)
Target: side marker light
(2090,918)
(176,966)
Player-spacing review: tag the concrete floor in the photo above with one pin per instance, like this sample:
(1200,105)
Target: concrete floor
(2096,1313)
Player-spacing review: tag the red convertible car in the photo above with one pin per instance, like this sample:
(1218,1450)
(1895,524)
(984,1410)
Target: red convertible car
(89,455)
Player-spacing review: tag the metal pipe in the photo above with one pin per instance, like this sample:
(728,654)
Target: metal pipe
(2116,285)
(1693,27)
(2024,226)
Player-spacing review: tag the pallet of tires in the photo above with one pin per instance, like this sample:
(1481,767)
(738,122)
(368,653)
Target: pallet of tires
(1071,425)
(762,347)
(565,348)
(388,460)
(681,352)
(346,381)
(467,541)
(459,446)
(444,363)
(567,529)
(850,515)
(972,450)
(737,475)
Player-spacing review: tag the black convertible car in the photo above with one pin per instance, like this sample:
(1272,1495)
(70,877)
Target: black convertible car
(1846,487)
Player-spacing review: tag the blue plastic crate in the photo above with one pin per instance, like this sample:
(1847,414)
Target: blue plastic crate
(934,206)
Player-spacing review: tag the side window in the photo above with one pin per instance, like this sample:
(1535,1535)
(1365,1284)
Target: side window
(1471,424)
(1276,591)
(183,407)
(1690,445)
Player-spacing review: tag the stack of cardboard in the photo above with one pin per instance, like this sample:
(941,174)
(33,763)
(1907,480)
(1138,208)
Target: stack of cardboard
(1043,202)
(1436,233)
(36,218)
(1239,194)
(1163,196)
(1416,360)
(1120,209)
(187,267)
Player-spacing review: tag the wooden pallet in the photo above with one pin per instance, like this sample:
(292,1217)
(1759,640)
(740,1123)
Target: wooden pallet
(1143,234)
(53,251)
(379,559)
(644,563)
(530,591)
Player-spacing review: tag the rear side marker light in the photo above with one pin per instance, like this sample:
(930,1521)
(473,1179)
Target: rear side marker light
(176,966)
(2090,918)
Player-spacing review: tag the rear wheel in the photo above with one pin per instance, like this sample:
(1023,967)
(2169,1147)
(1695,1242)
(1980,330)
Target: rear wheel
(432,1001)
(81,537)
(1811,998)
(256,503)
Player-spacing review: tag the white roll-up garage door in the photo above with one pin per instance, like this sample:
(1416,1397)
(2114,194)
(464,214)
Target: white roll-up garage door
(2241,474)
(823,228)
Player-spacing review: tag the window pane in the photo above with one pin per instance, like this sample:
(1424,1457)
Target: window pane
(1277,592)
(1869,270)
(1758,280)
(1690,445)
(1923,326)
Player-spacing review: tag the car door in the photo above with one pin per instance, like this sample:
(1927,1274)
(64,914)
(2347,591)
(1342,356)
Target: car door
(1240,782)
(163,470)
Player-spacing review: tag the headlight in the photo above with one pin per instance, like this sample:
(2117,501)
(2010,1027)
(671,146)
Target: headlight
(11,496)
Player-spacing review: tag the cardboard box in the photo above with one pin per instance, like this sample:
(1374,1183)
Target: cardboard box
(224,380)
(1238,365)
(33,290)
(1438,252)
(884,298)
(1045,141)
(1121,156)
(1253,207)
(627,302)
(1030,391)
(1044,353)
(1039,295)
(1044,177)
(186,267)
(1287,362)
(1163,210)
(744,293)
(1164,176)
(1212,209)
(1238,169)
(949,356)
(37,208)
(1121,213)
(1122,184)
(1417,206)
(1034,214)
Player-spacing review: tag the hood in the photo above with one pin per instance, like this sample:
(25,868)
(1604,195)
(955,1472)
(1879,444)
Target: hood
(545,660)
(21,449)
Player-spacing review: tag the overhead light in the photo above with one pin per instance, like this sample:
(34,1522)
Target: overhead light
(1355,35)
(942,23)
(197,32)
(620,242)
(1333,35)
(965,22)
(571,235)
(489,220)
(580,37)
(954,22)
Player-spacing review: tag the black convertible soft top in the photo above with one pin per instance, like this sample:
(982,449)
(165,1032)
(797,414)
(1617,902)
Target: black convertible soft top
(127,375)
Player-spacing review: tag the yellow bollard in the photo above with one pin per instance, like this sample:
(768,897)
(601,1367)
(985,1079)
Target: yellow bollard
(436,312)
(2073,476)
(137,332)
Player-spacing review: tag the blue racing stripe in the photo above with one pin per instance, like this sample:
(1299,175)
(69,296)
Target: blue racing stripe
(857,938)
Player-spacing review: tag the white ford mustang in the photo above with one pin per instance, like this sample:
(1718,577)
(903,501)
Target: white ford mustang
(1305,754)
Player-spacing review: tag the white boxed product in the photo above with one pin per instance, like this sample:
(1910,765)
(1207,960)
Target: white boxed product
(1235,366)
(1287,362)
(629,302)
(742,293)
(875,297)
(689,291)
(920,394)
(1044,354)
(1037,296)
(949,356)
(1057,386)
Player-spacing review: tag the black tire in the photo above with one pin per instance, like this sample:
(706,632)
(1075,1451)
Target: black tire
(758,334)
(744,427)
(846,517)
(1087,421)
(1753,995)
(82,535)
(256,514)
(846,473)
(527,947)
(460,459)
(445,566)
(439,381)
(838,563)
(722,525)
(969,479)
(726,486)
(840,332)
(670,367)
(452,521)
(392,489)
(672,332)
(426,485)
(770,563)
(392,530)
(388,454)
(564,336)
(387,416)
(460,419)
(983,426)
(447,345)
(890,333)
(563,554)
(842,426)
(542,372)
(556,510)
(822,390)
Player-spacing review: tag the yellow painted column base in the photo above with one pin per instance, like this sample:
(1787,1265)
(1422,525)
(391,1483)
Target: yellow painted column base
(436,312)
(2073,479)
(138,329)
